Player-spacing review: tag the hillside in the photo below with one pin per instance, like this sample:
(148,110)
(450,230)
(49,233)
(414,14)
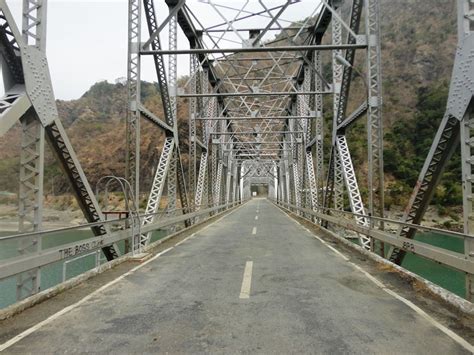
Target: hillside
(96,127)
(418,45)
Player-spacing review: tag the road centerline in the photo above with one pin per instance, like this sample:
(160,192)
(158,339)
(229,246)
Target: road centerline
(254,231)
(246,281)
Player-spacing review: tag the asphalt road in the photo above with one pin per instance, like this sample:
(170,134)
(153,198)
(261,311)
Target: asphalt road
(243,285)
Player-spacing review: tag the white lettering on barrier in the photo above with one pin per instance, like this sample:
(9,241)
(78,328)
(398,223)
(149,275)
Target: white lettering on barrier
(80,248)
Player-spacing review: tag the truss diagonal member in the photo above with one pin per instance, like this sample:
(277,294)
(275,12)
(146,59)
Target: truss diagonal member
(201,180)
(313,186)
(230,23)
(169,19)
(157,188)
(209,187)
(237,196)
(152,25)
(218,185)
(63,150)
(183,194)
(287,175)
(10,48)
(13,105)
(353,117)
(213,173)
(444,144)
(355,20)
(447,138)
(350,179)
(325,10)
(152,118)
(296,183)
(272,21)
(228,177)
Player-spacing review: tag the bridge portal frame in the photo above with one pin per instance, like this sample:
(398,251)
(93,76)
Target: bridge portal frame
(29,99)
(220,97)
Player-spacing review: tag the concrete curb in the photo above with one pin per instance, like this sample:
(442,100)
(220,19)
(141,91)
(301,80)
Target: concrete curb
(42,296)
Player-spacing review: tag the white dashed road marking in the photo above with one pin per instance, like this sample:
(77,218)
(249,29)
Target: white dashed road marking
(246,281)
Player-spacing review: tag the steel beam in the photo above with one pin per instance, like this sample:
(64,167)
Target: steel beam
(257,94)
(132,170)
(157,187)
(320,47)
(30,209)
(374,114)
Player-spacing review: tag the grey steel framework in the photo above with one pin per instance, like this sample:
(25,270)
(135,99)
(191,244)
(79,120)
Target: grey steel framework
(256,97)
(29,99)
(260,108)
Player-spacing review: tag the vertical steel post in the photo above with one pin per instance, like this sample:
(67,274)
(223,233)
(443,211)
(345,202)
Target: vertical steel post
(193,67)
(172,88)
(337,69)
(319,126)
(132,172)
(374,113)
(32,156)
(465,29)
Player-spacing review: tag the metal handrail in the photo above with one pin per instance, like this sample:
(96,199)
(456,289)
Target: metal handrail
(447,257)
(81,226)
(388,220)
(404,224)
(18,264)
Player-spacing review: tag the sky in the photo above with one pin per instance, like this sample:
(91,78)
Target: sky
(87,39)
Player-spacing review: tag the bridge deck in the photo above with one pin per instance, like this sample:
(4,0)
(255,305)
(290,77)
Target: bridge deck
(303,298)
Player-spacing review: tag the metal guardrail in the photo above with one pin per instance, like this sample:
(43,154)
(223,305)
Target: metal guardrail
(458,261)
(58,231)
(97,262)
(23,263)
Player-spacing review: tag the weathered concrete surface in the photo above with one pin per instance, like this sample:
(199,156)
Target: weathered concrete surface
(303,299)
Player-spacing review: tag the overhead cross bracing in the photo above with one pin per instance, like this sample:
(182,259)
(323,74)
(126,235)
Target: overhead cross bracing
(256,88)
(260,73)
(245,76)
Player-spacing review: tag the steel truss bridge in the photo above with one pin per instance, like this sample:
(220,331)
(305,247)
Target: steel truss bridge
(270,102)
